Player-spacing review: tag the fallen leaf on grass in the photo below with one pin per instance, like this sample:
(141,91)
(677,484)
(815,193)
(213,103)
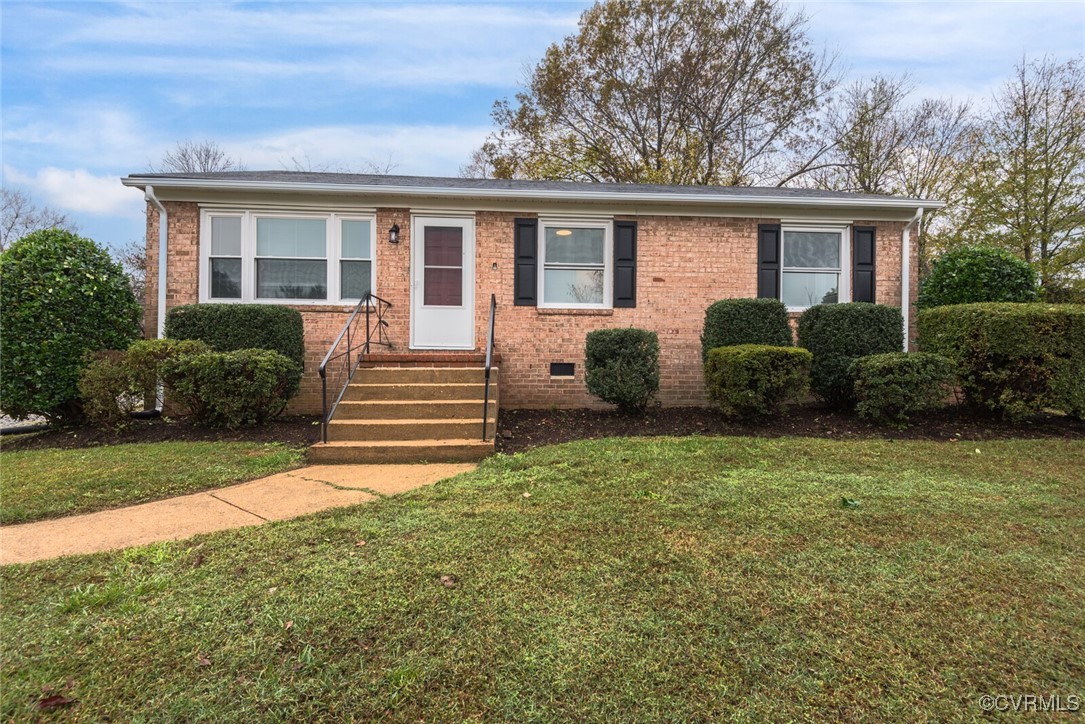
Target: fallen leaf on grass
(54,702)
(359,544)
(202,660)
(527,495)
(288,625)
(448,581)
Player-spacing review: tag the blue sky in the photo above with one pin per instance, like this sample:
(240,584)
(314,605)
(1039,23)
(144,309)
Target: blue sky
(92,91)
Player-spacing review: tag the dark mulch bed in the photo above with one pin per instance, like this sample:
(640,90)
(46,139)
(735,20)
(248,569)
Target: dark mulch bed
(525,429)
(302,430)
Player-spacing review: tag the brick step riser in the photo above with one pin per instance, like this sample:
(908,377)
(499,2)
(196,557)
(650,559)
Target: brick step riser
(361,455)
(409,375)
(417,410)
(363,432)
(419,393)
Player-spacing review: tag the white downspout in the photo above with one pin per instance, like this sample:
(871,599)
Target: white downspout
(163,229)
(906,274)
(163,233)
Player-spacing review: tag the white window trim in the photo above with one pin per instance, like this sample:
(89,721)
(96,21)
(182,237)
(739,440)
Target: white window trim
(333,254)
(843,292)
(608,261)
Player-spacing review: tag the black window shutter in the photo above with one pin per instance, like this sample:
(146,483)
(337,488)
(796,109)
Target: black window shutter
(862,264)
(768,260)
(526,248)
(625,263)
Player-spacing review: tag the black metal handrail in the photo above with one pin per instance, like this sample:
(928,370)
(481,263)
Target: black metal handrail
(346,360)
(489,365)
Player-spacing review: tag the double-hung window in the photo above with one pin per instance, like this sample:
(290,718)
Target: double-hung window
(356,258)
(291,258)
(576,264)
(303,258)
(225,261)
(813,264)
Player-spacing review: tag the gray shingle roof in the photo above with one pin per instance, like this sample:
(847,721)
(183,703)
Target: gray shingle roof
(468,185)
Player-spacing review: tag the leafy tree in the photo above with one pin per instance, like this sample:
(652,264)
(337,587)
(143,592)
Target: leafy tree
(61,296)
(666,91)
(19,216)
(1028,189)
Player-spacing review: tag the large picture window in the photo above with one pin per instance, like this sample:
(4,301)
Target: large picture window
(576,264)
(290,258)
(813,263)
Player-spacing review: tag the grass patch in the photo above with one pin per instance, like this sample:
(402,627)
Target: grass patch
(678,579)
(37,484)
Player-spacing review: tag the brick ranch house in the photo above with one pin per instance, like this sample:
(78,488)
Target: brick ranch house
(561,258)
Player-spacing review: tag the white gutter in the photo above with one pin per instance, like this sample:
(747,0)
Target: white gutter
(905,274)
(548,194)
(163,230)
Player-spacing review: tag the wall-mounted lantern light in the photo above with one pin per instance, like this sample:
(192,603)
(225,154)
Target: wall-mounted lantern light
(393,234)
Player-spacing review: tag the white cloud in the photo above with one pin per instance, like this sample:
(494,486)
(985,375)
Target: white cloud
(418,149)
(78,134)
(79,191)
(354,44)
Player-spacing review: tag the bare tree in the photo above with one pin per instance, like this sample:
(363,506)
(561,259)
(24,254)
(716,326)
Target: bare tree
(19,216)
(936,165)
(879,143)
(479,166)
(196,157)
(665,91)
(305,164)
(869,132)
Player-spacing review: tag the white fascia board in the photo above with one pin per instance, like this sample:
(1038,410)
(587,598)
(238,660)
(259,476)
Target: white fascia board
(532,194)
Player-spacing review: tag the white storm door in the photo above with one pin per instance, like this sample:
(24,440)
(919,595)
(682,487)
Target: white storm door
(442,283)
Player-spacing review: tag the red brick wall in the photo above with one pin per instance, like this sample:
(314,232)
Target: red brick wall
(683,265)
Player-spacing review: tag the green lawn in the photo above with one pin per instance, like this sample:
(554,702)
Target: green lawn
(695,578)
(36,484)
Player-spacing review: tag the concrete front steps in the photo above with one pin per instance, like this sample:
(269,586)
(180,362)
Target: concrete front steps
(411,413)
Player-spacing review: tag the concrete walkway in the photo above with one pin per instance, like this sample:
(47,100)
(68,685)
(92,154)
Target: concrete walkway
(278,497)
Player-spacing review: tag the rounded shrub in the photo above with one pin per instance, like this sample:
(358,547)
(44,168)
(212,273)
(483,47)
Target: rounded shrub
(622,366)
(116,383)
(1012,359)
(107,390)
(750,380)
(730,322)
(61,296)
(890,388)
(233,389)
(839,334)
(977,274)
(145,357)
(229,327)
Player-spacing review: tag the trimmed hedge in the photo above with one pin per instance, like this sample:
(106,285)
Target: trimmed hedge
(231,389)
(890,388)
(61,296)
(731,322)
(115,383)
(229,327)
(1013,359)
(749,380)
(839,334)
(106,389)
(622,366)
(972,274)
